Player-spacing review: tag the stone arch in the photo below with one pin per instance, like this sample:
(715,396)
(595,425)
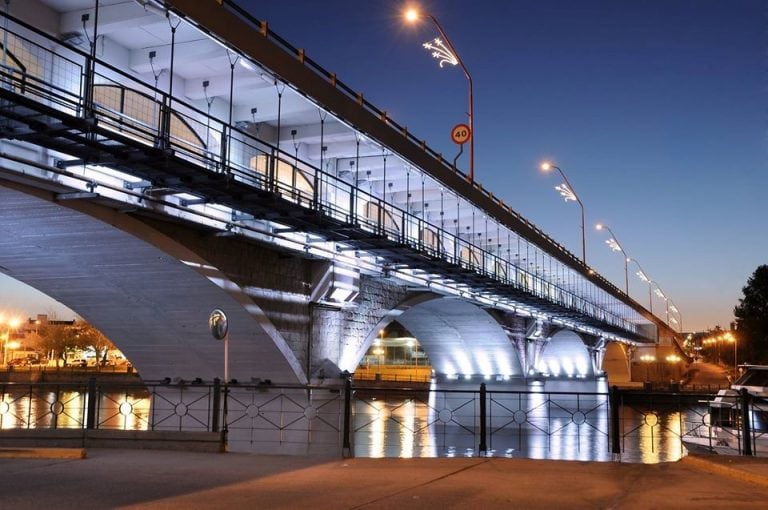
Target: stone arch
(565,355)
(460,338)
(145,291)
(617,362)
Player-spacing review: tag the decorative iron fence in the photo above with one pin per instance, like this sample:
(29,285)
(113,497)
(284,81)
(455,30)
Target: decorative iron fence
(385,422)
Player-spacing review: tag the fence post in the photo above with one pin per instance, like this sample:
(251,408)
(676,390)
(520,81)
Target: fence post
(614,397)
(346,449)
(90,417)
(215,410)
(483,447)
(746,433)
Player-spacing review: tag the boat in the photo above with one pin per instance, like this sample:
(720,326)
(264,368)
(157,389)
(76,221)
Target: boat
(721,430)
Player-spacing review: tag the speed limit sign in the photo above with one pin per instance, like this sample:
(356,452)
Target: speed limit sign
(460,134)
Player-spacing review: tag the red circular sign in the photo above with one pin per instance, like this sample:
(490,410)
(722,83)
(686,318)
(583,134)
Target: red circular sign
(460,134)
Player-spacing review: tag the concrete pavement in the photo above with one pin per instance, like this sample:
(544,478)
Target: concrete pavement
(111,478)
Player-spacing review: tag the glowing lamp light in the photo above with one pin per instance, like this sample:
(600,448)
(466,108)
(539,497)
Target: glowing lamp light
(566,192)
(546,166)
(411,15)
(613,244)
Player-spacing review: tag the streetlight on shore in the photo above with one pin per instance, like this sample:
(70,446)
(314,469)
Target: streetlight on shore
(11,324)
(444,51)
(614,245)
(568,193)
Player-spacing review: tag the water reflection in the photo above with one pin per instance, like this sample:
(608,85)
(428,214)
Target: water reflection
(66,409)
(534,423)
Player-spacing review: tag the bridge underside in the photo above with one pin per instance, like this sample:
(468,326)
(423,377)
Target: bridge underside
(461,339)
(150,295)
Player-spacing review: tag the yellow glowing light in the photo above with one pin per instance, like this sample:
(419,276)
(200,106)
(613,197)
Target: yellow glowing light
(546,166)
(599,226)
(15,344)
(411,15)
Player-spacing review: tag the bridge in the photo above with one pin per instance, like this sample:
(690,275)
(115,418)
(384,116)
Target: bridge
(160,159)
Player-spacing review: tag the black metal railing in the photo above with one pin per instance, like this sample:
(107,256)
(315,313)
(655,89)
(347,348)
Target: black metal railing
(184,130)
(395,422)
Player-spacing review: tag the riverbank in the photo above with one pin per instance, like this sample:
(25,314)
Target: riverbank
(186,480)
(67,375)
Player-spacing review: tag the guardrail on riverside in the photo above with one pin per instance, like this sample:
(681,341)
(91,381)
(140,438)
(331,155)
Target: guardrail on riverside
(393,422)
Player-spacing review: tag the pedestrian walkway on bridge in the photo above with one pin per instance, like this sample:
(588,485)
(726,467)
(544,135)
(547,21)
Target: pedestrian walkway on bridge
(110,478)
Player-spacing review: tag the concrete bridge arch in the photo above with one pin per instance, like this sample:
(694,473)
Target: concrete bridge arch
(461,339)
(565,354)
(148,293)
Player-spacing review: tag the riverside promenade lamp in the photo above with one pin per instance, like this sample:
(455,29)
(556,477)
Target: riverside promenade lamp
(443,50)
(10,324)
(567,192)
(614,245)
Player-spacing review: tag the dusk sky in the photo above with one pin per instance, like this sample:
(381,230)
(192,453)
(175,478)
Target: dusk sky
(655,110)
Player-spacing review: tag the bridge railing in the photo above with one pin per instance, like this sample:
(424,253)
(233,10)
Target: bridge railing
(122,104)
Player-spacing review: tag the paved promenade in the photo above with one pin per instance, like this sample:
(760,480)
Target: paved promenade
(107,478)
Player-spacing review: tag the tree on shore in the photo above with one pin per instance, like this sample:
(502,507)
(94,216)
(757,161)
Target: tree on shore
(752,318)
(58,338)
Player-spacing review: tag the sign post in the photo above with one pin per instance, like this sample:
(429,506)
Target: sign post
(461,134)
(219,327)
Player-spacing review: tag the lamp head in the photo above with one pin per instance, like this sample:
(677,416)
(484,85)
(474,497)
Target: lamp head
(599,226)
(546,166)
(411,15)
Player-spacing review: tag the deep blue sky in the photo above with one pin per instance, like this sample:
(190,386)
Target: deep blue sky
(655,109)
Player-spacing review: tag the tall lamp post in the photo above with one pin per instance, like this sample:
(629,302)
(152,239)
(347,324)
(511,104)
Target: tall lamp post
(10,325)
(568,193)
(614,245)
(449,55)
(676,310)
(644,277)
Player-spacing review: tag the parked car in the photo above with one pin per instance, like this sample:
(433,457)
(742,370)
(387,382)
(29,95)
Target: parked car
(78,363)
(18,362)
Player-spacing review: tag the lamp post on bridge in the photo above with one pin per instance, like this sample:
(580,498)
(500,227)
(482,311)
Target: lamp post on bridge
(568,193)
(614,245)
(676,310)
(445,52)
(644,277)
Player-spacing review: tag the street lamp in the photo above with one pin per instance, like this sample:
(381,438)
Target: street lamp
(568,193)
(644,277)
(647,359)
(674,309)
(449,55)
(614,245)
(663,296)
(10,325)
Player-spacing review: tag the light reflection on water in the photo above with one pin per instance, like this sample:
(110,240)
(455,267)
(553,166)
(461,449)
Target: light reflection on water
(534,424)
(67,410)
